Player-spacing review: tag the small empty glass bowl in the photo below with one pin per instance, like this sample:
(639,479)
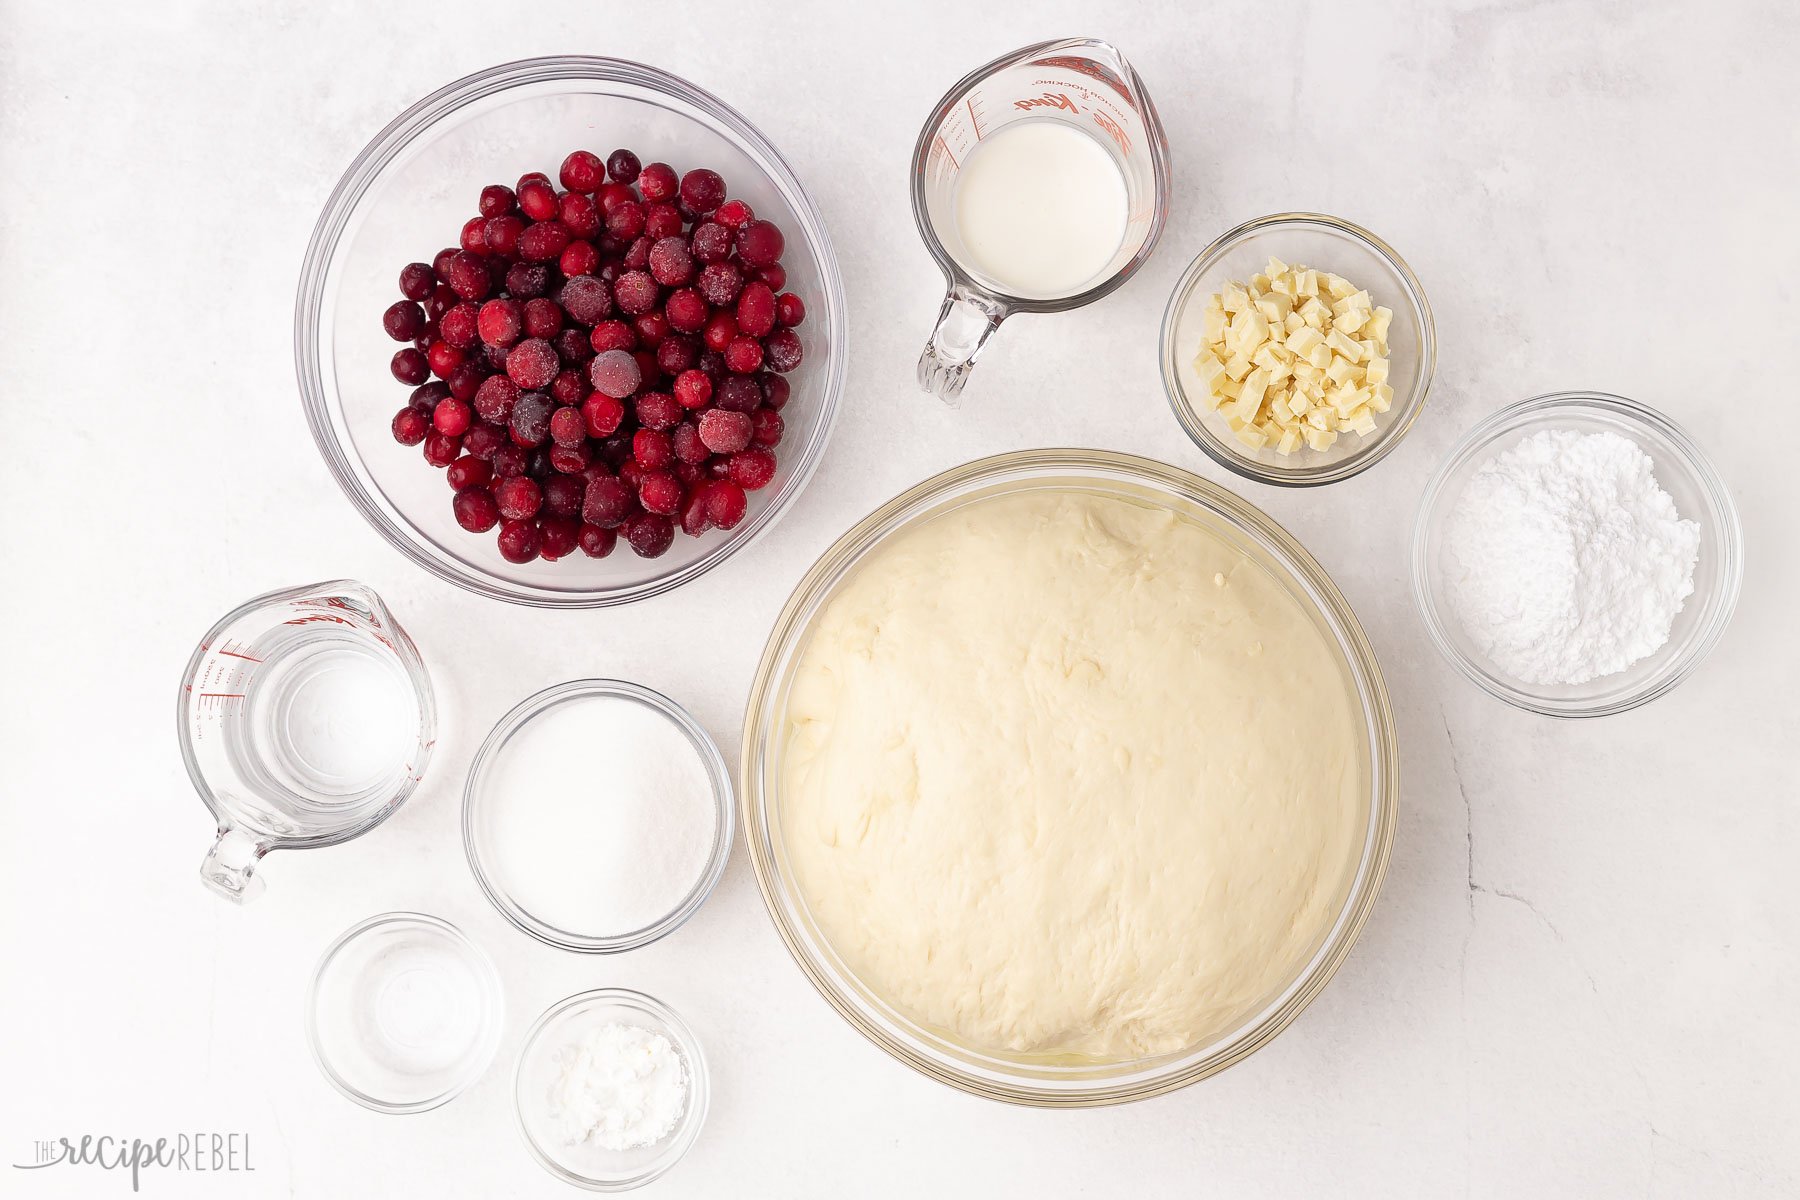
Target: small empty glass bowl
(483,810)
(404,1012)
(1682,470)
(1325,244)
(586,1164)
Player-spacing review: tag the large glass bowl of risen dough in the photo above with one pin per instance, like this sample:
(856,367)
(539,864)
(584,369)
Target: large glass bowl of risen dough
(1064,1080)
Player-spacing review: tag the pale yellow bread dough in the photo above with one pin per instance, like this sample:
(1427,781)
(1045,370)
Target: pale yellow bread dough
(1066,775)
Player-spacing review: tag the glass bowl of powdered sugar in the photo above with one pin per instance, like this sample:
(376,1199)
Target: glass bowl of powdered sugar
(1576,555)
(597,816)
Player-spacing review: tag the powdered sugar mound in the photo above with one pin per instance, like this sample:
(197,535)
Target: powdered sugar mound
(1564,560)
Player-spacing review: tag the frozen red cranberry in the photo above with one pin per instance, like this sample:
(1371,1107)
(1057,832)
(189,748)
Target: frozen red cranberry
(520,541)
(451,416)
(468,471)
(658,181)
(560,537)
(661,221)
(563,494)
(441,449)
(725,503)
(783,350)
(646,361)
(751,469)
(693,518)
(612,335)
(652,327)
(720,329)
(532,363)
(573,347)
(702,190)
(582,171)
(651,449)
(519,497)
(417,280)
(543,317)
(425,397)
(737,394)
(693,389)
(496,200)
(527,280)
(611,195)
(744,355)
(569,387)
(675,352)
(571,460)
(635,292)
(459,326)
(622,166)
(579,258)
(442,297)
(567,427)
(502,235)
(494,398)
(711,242)
(692,475)
(537,200)
(724,432)
(580,215)
(509,460)
(475,508)
(626,220)
(410,426)
(607,503)
(766,427)
(713,363)
(756,309)
(759,243)
(720,283)
(659,492)
(657,410)
(775,276)
(734,214)
(500,322)
(774,390)
(596,542)
(468,275)
(473,237)
(685,444)
(670,263)
(586,299)
(403,320)
(530,420)
(649,534)
(443,358)
(544,241)
(615,373)
(790,310)
(630,474)
(686,310)
(440,262)
(483,439)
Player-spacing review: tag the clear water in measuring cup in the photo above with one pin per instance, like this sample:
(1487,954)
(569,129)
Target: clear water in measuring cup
(328,721)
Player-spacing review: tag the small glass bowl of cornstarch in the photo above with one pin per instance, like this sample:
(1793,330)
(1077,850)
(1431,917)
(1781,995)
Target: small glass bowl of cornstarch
(1571,573)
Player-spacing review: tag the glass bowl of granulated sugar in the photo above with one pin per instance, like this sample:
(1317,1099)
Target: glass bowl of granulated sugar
(597,816)
(1576,555)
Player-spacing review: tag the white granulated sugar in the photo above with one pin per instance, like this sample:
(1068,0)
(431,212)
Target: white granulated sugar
(1564,560)
(618,1087)
(603,816)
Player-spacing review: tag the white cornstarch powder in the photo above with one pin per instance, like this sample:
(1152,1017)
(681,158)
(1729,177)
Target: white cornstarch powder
(620,1086)
(603,816)
(1564,560)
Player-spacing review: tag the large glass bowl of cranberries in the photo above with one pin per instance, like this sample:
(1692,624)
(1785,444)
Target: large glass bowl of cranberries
(569,332)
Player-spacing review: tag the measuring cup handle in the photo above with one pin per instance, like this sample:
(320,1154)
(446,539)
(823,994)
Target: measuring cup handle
(964,324)
(230,866)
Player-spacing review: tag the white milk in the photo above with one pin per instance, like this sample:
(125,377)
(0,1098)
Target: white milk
(1040,209)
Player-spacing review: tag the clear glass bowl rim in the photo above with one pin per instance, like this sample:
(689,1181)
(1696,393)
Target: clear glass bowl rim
(724,809)
(1386,439)
(1250,521)
(1509,419)
(490,976)
(699,1083)
(418,119)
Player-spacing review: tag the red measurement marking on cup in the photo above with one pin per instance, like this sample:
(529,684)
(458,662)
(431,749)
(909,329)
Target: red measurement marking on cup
(945,147)
(969,103)
(238,654)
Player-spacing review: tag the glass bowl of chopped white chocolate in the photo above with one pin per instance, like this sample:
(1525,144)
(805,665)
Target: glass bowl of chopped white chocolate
(1576,555)
(1297,349)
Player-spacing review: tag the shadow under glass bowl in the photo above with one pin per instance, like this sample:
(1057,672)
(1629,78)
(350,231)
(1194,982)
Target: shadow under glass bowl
(1682,470)
(1325,244)
(407,195)
(1025,1079)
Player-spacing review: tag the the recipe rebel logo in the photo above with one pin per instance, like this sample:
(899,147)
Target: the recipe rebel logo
(193,1153)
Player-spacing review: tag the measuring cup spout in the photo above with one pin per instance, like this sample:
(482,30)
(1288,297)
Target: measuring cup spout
(230,866)
(965,322)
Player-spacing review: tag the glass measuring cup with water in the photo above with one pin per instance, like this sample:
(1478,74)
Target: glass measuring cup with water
(305,718)
(979,139)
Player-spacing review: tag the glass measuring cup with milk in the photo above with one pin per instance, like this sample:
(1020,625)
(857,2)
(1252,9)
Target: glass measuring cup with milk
(305,718)
(1039,183)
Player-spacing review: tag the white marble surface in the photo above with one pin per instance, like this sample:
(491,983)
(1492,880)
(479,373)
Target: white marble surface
(1581,977)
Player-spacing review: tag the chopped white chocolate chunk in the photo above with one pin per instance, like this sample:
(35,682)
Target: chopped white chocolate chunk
(1295,358)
